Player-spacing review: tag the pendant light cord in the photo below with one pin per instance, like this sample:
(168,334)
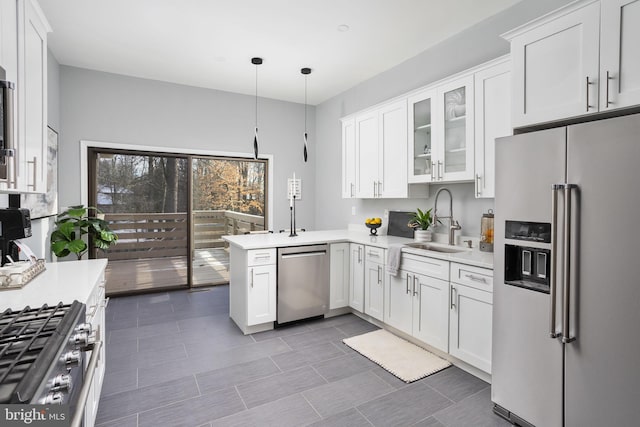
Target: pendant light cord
(256,95)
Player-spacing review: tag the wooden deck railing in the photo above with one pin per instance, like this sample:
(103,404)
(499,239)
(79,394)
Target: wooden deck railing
(158,235)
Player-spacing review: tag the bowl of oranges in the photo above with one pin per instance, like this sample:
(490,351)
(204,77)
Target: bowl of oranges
(373,224)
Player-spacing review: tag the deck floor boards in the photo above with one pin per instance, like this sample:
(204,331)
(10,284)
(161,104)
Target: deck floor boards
(210,266)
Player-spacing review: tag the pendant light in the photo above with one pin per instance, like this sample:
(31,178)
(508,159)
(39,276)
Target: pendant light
(305,72)
(256,61)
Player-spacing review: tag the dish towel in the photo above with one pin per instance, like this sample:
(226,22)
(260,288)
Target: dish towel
(394,255)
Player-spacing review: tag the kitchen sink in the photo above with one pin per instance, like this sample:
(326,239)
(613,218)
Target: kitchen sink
(436,248)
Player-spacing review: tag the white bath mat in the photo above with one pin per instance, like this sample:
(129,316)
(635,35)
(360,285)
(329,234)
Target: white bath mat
(403,359)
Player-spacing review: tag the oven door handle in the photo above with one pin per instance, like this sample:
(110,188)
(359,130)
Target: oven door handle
(78,416)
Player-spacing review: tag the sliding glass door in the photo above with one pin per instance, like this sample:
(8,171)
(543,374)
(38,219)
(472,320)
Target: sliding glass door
(170,212)
(228,197)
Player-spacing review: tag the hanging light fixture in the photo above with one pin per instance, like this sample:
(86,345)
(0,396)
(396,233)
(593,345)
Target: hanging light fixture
(305,72)
(256,61)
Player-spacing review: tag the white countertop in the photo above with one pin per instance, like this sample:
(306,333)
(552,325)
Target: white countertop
(278,240)
(60,282)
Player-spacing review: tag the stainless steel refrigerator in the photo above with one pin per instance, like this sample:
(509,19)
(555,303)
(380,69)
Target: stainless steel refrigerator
(566,301)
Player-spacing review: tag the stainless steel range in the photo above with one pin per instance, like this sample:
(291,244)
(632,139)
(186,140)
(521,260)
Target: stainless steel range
(42,357)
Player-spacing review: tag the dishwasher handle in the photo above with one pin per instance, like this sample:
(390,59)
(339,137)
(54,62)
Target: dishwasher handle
(303,254)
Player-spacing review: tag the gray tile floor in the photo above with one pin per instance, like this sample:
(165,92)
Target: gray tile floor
(176,359)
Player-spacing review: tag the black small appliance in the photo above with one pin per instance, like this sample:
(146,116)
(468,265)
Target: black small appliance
(15,223)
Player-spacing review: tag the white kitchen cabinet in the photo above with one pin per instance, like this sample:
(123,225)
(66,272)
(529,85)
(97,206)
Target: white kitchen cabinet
(261,294)
(9,39)
(578,60)
(32,97)
(381,141)
(492,120)
(348,158)
(339,275)
(455,154)
(422,117)
(367,153)
(95,316)
(392,163)
(252,288)
(416,300)
(430,311)
(441,139)
(619,59)
(356,278)
(398,304)
(471,311)
(374,282)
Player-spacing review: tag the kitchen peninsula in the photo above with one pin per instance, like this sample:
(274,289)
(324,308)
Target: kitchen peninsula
(429,282)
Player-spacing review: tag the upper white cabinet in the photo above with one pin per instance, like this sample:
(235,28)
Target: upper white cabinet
(578,60)
(23,54)
(348,158)
(441,132)
(492,120)
(619,58)
(32,96)
(381,141)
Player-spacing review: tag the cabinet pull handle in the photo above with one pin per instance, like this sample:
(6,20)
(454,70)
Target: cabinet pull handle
(453,297)
(359,254)
(415,292)
(608,78)
(373,254)
(475,278)
(352,185)
(478,185)
(35,159)
(252,277)
(379,281)
(375,189)
(439,170)
(379,188)
(433,171)
(588,83)
(408,278)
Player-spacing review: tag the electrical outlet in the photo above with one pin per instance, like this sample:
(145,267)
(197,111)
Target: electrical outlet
(386,214)
(353,210)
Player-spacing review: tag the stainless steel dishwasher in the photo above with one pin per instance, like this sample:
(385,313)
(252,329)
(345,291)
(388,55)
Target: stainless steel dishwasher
(303,282)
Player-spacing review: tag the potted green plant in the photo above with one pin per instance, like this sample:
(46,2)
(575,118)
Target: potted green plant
(421,222)
(73,225)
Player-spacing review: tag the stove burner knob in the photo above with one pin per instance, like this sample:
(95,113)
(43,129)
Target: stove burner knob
(71,357)
(62,381)
(80,339)
(55,398)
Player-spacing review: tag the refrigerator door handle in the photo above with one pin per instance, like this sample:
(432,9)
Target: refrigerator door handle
(566,321)
(554,244)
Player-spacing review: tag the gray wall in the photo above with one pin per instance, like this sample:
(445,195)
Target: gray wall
(471,47)
(107,107)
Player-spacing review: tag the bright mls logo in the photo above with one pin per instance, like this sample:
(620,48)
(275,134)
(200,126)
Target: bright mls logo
(34,415)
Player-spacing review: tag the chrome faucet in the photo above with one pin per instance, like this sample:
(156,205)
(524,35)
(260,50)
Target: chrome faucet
(453,224)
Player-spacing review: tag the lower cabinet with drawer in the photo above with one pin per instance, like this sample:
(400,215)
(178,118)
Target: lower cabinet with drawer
(95,315)
(374,268)
(252,291)
(470,315)
(416,300)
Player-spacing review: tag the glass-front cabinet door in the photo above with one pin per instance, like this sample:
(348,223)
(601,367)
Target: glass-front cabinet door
(455,159)
(421,137)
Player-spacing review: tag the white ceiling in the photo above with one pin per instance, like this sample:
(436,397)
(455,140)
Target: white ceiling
(209,43)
